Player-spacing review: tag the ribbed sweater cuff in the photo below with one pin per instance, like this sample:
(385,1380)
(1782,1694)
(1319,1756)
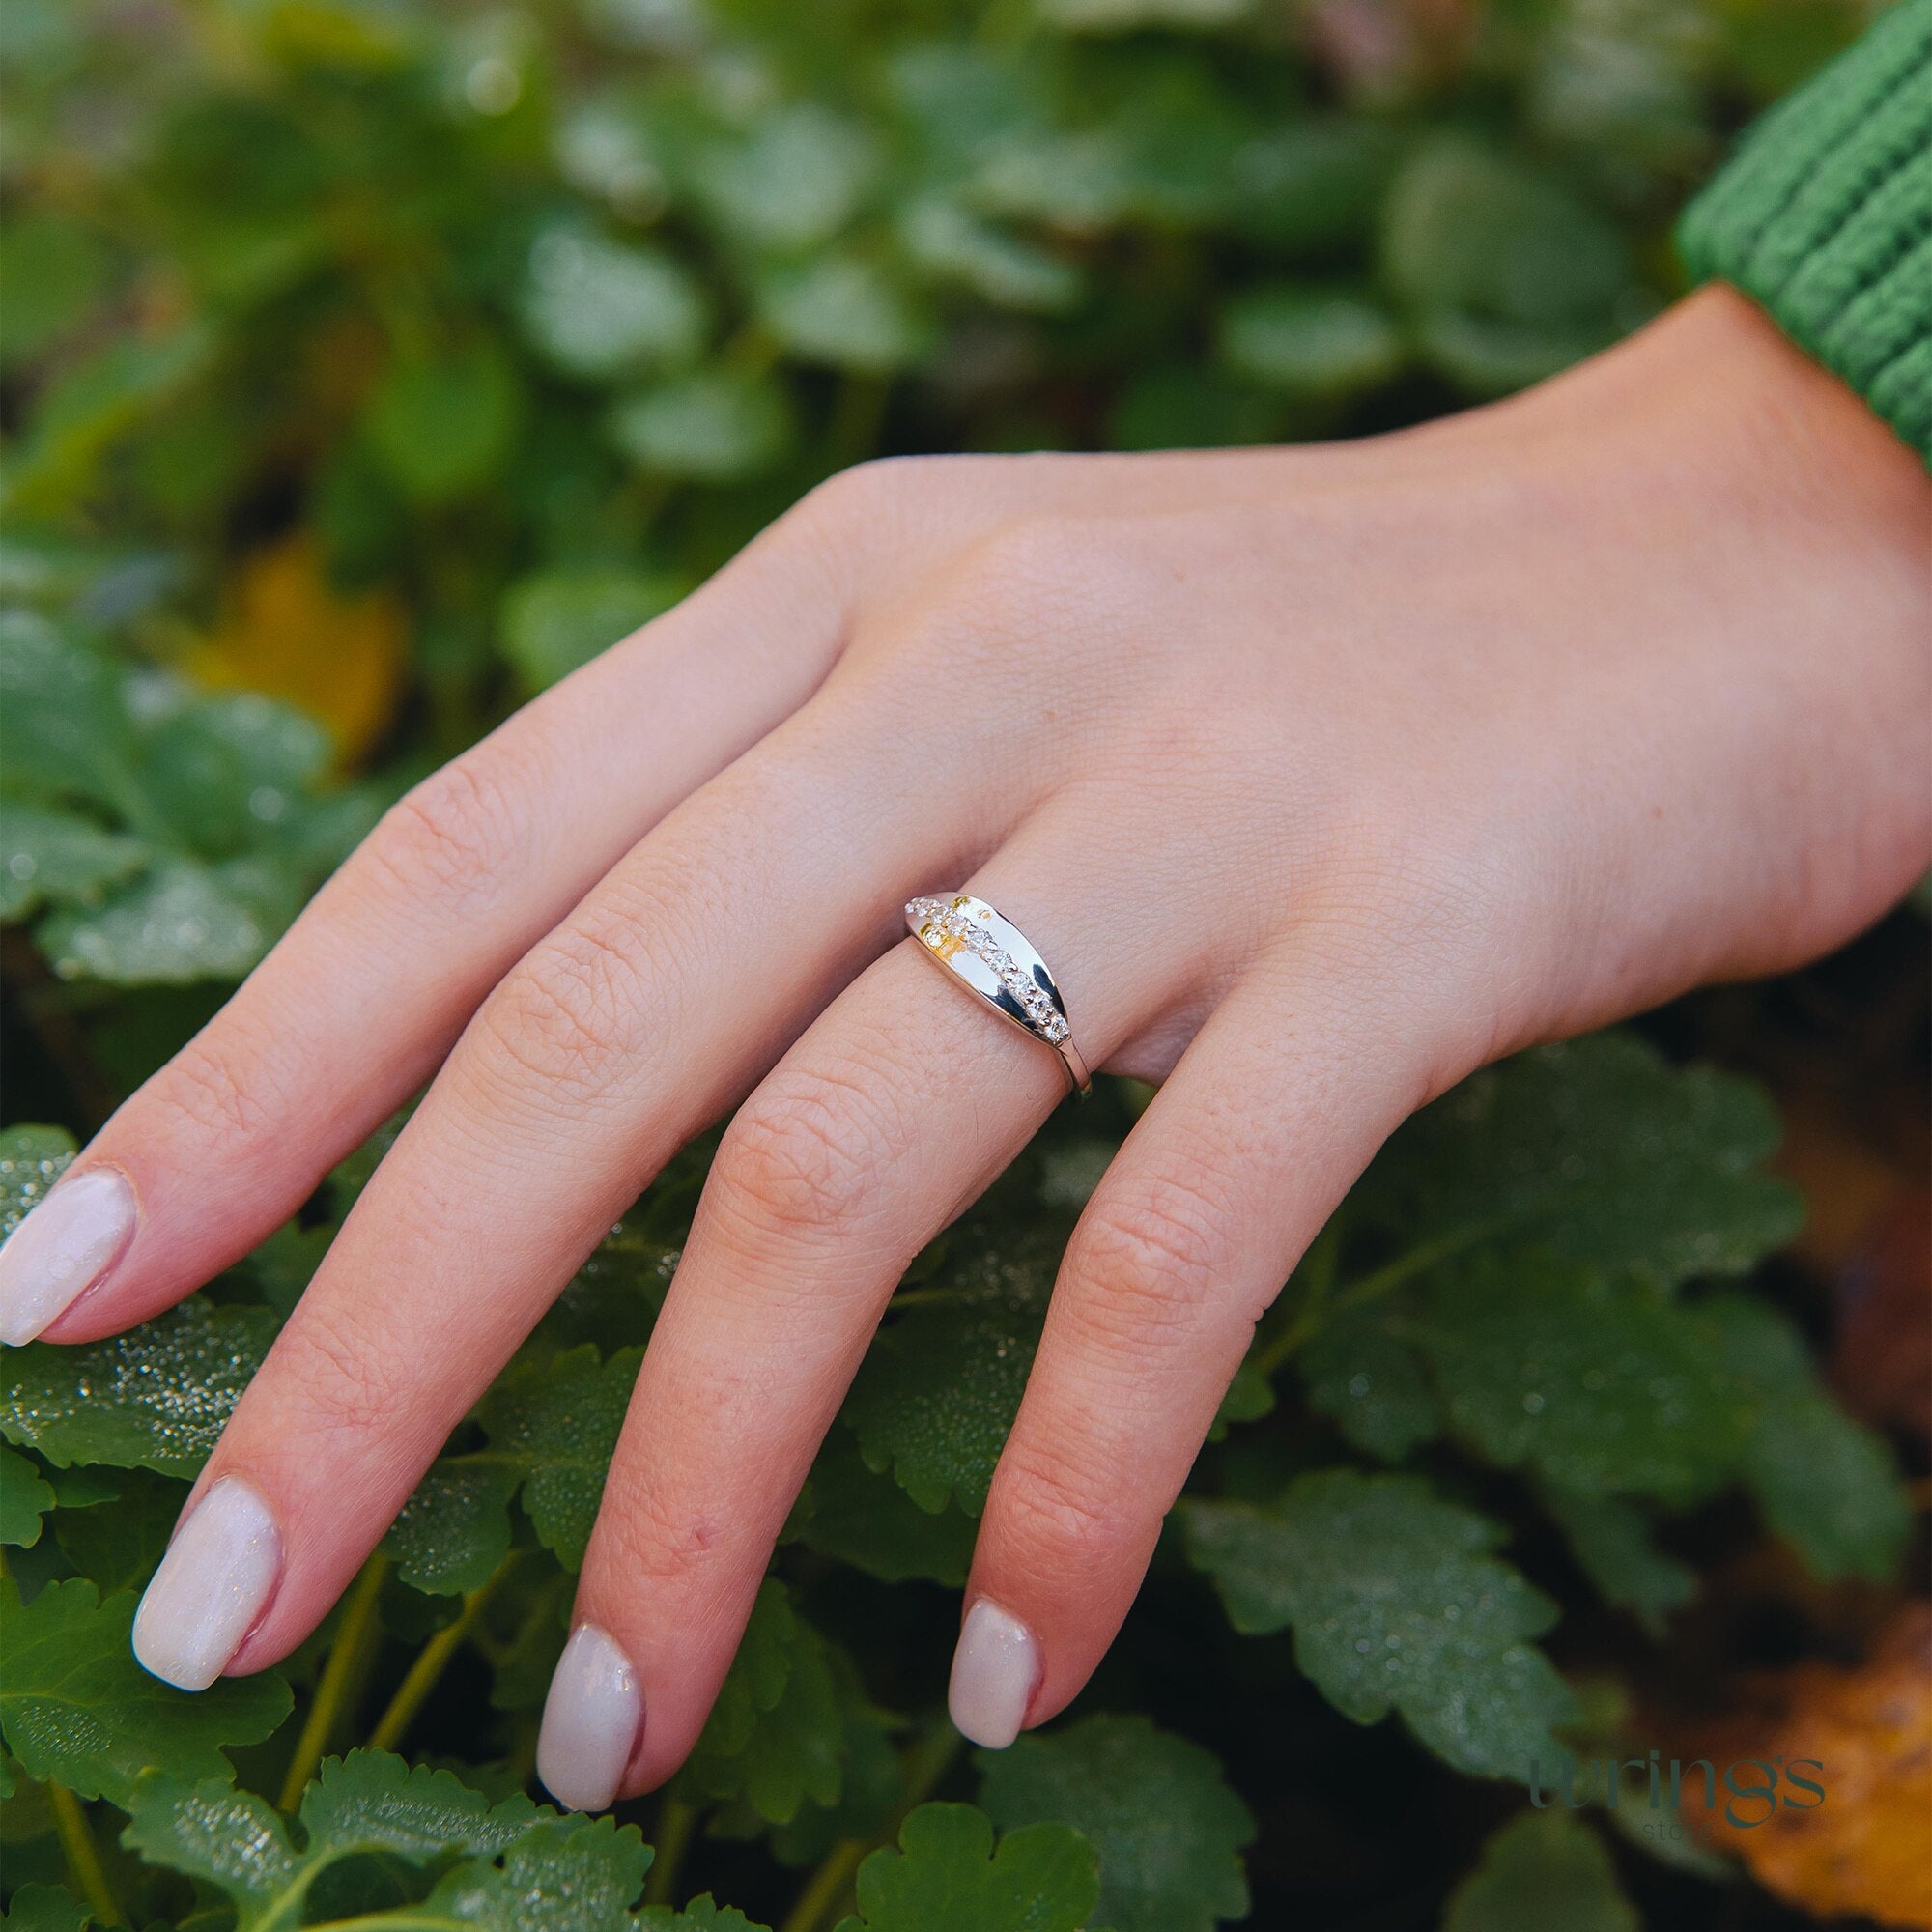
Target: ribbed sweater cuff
(1824,216)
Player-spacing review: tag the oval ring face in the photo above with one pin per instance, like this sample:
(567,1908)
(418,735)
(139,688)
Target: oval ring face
(992,957)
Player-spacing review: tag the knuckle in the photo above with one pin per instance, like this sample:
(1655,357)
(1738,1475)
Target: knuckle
(1153,1250)
(449,839)
(803,1157)
(1061,1518)
(219,1089)
(336,1369)
(568,1014)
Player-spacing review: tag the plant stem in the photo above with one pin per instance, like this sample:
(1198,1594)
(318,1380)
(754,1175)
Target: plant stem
(353,1635)
(83,1855)
(830,1883)
(1309,1317)
(433,1660)
(827,1886)
(676,1822)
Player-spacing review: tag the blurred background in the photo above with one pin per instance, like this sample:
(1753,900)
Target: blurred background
(394,356)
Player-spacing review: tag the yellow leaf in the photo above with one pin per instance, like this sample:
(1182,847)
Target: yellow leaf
(287,631)
(1867,1848)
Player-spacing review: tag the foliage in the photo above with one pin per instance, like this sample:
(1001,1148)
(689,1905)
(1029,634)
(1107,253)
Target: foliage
(367,367)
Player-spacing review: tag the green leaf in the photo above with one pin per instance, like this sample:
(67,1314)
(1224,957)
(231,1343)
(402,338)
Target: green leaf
(1250,1396)
(564,1874)
(1157,1808)
(176,924)
(225,773)
(871,1780)
(442,429)
(702,1914)
(118,1549)
(1320,342)
(77,1709)
(49,856)
(1375,1385)
(366,1802)
(951,243)
(948,1877)
(600,310)
(793,182)
(94,404)
(775,1737)
(1469,230)
(24,1500)
(939,1388)
(557,1423)
(556,620)
(860,1516)
(46,1908)
(32,1158)
(846,311)
(1396,1604)
(711,426)
(455,1529)
(1599,1150)
(1602,1387)
(156,1398)
(1824,1484)
(1544,1868)
(1611,1540)
(53,272)
(63,724)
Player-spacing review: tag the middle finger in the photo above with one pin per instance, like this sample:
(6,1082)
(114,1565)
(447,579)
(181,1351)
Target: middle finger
(619,1037)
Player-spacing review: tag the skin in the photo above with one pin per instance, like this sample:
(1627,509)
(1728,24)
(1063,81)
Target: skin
(1320,776)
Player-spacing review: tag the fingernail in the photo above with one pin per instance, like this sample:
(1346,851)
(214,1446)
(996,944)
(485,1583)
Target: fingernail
(591,1722)
(219,1573)
(62,1248)
(994,1671)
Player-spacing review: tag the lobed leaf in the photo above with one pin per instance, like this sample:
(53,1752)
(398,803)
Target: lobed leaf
(1602,1388)
(1597,1149)
(775,1737)
(25,1498)
(154,1397)
(1826,1484)
(32,1158)
(77,1709)
(938,1392)
(49,856)
(1542,1868)
(948,1876)
(1396,1604)
(366,1802)
(1156,1807)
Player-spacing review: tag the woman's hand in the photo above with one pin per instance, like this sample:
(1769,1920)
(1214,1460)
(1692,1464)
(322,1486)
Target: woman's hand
(1319,777)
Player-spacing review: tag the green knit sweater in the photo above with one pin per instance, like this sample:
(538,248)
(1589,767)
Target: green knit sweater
(1824,216)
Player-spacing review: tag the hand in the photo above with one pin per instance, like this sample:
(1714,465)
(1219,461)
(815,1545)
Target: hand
(1320,776)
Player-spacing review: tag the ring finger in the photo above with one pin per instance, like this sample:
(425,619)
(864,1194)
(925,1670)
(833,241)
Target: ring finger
(893,1111)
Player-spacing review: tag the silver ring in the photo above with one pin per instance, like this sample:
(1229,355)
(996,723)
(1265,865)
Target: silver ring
(994,959)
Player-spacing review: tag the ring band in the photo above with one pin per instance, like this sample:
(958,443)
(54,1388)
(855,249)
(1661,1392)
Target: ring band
(994,959)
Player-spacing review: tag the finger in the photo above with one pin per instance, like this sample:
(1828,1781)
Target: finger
(897,1108)
(1244,1152)
(351,1012)
(615,1040)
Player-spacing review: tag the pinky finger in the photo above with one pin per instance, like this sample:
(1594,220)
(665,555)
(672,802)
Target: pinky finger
(1270,1115)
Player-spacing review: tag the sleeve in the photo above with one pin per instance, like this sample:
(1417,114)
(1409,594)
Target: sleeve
(1824,218)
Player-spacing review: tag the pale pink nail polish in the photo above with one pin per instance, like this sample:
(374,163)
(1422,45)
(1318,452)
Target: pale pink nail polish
(214,1583)
(994,1671)
(591,1722)
(62,1249)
